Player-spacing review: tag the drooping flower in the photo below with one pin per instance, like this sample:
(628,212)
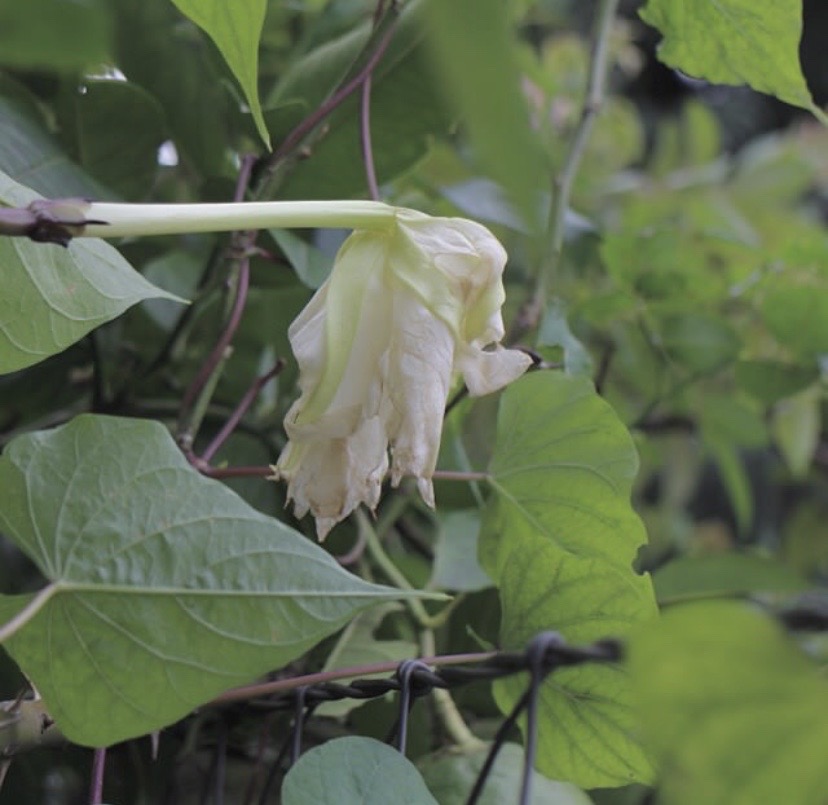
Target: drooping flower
(405,309)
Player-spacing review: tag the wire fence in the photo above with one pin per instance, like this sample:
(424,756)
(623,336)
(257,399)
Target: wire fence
(414,679)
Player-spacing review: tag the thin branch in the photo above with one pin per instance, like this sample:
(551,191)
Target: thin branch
(264,471)
(459,475)
(365,139)
(596,89)
(233,420)
(242,242)
(197,398)
(343,93)
(233,472)
(563,182)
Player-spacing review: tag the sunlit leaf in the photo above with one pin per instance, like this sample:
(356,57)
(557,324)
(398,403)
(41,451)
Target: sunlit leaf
(753,42)
(559,539)
(235,27)
(163,588)
(563,469)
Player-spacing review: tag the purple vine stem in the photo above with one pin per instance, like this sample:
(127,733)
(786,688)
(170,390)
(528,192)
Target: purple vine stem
(241,409)
(98,768)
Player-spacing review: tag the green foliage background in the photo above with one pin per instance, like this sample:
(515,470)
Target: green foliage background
(668,454)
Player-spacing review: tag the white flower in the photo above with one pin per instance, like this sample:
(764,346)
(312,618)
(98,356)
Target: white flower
(405,309)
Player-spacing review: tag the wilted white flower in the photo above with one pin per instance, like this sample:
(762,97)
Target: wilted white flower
(405,309)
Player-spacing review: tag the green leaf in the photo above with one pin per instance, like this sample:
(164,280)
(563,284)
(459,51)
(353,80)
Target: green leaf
(753,42)
(586,721)
(563,468)
(554,331)
(769,381)
(115,129)
(734,478)
(311,265)
(163,587)
(734,711)
(796,427)
(31,156)
(179,67)
(54,295)
(455,554)
(407,112)
(235,28)
(54,34)
(702,342)
(724,574)
(450,776)
(354,771)
(482,73)
(798,317)
(559,538)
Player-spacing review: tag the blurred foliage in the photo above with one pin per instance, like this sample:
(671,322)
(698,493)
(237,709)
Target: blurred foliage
(692,289)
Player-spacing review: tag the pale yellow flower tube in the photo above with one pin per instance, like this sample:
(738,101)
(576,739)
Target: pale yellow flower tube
(406,308)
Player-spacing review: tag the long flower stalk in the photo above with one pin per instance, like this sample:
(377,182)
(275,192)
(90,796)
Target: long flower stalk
(60,220)
(124,220)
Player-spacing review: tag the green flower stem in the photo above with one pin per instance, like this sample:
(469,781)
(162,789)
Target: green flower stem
(112,220)
(192,417)
(450,717)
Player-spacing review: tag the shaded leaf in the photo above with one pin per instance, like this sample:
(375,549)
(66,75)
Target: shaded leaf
(115,129)
(31,156)
(358,646)
(769,380)
(796,427)
(734,711)
(235,28)
(482,73)
(354,771)
(455,554)
(724,574)
(311,264)
(174,62)
(798,317)
(54,295)
(450,776)
(54,34)
(702,342)
(163,587)
(407,111)
(753,42)
(554,331)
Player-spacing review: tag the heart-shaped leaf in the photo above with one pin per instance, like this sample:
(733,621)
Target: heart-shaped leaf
(163,588)
(559,538)
(355,771)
